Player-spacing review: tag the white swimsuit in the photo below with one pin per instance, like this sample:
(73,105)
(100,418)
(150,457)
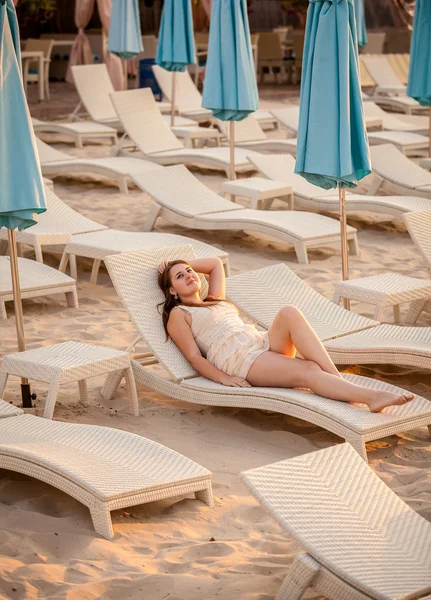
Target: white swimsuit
(224,339)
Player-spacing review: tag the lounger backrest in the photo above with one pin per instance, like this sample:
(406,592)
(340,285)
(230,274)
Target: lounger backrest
(94,87)
(372,111)
(288,116)
(382,72)
(247,130)
(419,227)
(143,122)
(48,154)
(281,167)
(187,97)
(348,520)
(391,164)
(134,275)
(262,293)
(177,189)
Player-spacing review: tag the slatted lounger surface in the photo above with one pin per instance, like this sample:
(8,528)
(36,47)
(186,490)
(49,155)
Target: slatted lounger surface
(53,162)
(281,167)
(79,132)
(146,127)
(401,173)
(103,468)
(130,273)
(419,227)
(36,280)
(393,122)
(249,134)
(361,541)
(181,198)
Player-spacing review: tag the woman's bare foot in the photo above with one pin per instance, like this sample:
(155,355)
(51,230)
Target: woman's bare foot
(384,399)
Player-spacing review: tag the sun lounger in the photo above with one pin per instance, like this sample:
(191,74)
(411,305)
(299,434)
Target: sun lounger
(36,280)
(9,410)
(105,469)
(94,87)
(63,226)
(80,131)
(146,127)
(419,227)
(189,100)
(399,172)
(289,117)
(392,122)
(182,199)
(249,134)
(361,541)
(130,273)
(281,167)
(54,162)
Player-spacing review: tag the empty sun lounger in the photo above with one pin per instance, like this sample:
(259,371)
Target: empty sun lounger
(53,162)
(36,280)
(289,117)
(393,122)
(80,131)
(399,172)
(105,469)
(249,134)
(281,167)
(361,541)
(146,127)
(182,199)
(419,227)
(130,273)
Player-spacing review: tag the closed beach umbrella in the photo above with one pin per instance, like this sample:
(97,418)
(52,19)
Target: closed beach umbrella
(21,188)
(230,88)
(176,46)
(125,38)
(419,83)
(361,28)
(332,148)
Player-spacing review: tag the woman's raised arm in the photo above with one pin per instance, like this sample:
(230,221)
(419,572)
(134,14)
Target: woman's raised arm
(213,267)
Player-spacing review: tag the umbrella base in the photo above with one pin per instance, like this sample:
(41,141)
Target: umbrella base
(26,395)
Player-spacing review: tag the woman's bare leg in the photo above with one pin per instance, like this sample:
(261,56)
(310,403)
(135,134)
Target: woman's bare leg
(272,369)
(291,330)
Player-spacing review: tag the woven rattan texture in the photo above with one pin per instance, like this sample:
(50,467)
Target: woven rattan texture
(33,276)
(8,410)
(392,165)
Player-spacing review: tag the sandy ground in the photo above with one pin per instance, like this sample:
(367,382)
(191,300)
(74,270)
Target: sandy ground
(164,549)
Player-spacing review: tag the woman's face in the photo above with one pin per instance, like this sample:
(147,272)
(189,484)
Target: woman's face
(184,281)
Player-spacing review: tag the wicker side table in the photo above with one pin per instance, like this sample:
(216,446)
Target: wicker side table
(258,190)
(384,290)
(63,363)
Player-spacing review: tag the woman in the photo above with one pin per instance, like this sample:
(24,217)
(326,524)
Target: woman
(221,347)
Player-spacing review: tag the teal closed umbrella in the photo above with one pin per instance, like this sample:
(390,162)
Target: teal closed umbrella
(332,148)
(176,45)
(230,88)
(21,187)
(125,38)
(419,82)
(361,28)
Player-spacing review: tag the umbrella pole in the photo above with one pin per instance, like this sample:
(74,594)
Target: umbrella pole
(173,97)
(232,149)
(344,247)
(19,319)
(126,78)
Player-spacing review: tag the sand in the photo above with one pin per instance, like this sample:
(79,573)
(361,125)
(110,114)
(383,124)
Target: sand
(181,549)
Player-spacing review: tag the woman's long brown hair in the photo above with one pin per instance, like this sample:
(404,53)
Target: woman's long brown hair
(169,303)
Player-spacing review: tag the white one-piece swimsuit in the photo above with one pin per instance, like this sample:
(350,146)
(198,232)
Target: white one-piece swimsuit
(224,339)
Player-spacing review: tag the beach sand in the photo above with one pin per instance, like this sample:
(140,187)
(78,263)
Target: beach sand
(180,549)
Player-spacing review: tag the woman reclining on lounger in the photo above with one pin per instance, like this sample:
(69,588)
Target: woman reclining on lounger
(239,355)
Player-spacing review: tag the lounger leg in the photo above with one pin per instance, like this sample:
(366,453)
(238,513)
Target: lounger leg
(206,496)
(63,262)
(375,185)
(301,253)
(72,299)
(358,444)
(397,314)
(378,313)
(122,184)
(3,247)
(131,391)
(73,268)
(102,523)
(78,141)
(38,252)
(226,266)
(3,381)
(353,246)
(152,217)
(300,577)
(95,271)
(414,311)
(111,384)
(3,313)
(51,399)
(83,391)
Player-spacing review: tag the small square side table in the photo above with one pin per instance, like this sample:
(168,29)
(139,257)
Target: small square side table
(258,190)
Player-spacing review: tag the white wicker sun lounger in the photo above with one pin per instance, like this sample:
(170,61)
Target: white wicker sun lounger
(105,469)
(392,122)
(281,167)
(249,134)
(135,271)
(419,227)
(94,87)
(361,541)
(146,127)
(182,199)
(399,172)
(348,337)
(36,280)
(53,162)
(9,410)
(80,131)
